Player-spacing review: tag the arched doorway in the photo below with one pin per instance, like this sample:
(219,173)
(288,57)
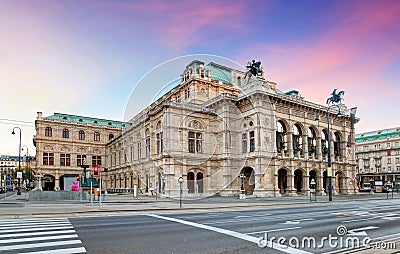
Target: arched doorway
(282,180)
(313,175)
(190,182)
(325,181)
(48,182)
(298,180)
(199,181)
(249,180)
(339,181)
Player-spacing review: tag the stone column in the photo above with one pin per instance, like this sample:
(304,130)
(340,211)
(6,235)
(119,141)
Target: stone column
(305,146)
(318,147)
(289,136)
(320,185)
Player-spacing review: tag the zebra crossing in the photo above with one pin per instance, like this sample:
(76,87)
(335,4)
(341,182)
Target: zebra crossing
(39,236)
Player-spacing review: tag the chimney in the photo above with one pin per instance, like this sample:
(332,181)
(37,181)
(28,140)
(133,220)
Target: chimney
(39,115)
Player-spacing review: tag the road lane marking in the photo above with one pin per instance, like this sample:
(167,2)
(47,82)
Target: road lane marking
(32,225)
(38,245)
(251,216)
(360,231)
(296,221)
(272,230)
(237,220)
(245,237)
(60,251)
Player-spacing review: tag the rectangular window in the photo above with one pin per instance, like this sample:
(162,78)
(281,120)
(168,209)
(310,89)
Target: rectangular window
(191,142)
(96,160)
(389,161)
(65,159)
(132,154)
(252,141)
(244,142)
(147,146)
(199,143)
(139,150)
(80,160)
(397,160)
(48,158)
(159,142)
(195,142)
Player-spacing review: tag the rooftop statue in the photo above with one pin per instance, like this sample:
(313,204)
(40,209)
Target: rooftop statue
(335,98)
(255,69)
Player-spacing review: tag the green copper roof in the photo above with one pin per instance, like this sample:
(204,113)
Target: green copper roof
(220,72)
(88,120)
(375,135)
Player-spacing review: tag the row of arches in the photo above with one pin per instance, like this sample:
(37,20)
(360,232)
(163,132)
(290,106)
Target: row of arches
(299,180)
(294,139)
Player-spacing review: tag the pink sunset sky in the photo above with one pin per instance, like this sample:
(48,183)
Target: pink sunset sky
(85,57)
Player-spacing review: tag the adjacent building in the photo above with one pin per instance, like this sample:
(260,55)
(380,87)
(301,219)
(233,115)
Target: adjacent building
(378,157)
(9,166)
(66,142)
(223,131)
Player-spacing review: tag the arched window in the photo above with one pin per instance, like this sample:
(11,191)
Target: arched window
(280,137)
(110,136)
(324,142)
(48,132)
(147,134)
(96,136)
(311,140)
(297,140)
(336,144)
(65,133)
(81,135)
(239,81)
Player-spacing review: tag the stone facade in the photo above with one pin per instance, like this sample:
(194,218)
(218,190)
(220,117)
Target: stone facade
(215,126)
(378,156)
(62,141)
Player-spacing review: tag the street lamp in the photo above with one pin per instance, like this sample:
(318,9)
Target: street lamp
(329,149)
(180,180)
(19,157)
(242,195)
(27,163)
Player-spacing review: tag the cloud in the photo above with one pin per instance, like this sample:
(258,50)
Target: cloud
(180,24)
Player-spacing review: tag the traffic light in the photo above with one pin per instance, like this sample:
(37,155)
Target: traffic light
(78,178)
(96,170)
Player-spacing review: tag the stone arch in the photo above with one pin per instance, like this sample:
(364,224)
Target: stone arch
(313,175)
(281,135)
(48,182)
(190,181)
(282,180)
(249,180)
(312,140)
(297,139)
(199,182)
(298,175)
(196,124)
(340,181)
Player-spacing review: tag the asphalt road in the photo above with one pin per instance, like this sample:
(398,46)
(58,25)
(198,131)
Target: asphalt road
(329,228)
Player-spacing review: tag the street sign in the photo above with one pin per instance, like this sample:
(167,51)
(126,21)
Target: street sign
(19,174)
(8,180)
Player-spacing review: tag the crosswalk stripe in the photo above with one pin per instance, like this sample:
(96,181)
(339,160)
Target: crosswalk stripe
(36,226)
(38,233)
(60,251)
(2,222)
(32,225)
(41,238)
(39,245)
(35,229)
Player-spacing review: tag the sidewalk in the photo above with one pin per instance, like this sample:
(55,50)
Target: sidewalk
(15,206)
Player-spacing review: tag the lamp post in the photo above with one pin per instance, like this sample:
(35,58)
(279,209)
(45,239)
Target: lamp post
(180,180)
(19,157)
(27,164)
(242,195)
(329,150)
